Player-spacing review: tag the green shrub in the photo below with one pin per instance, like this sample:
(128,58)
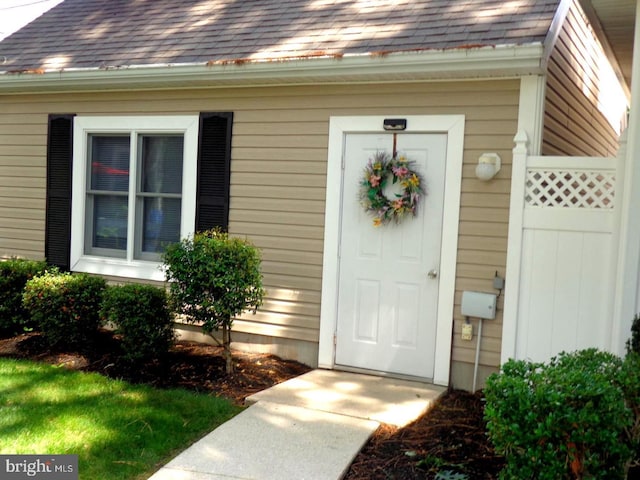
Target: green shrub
(563,420)
(629,382)
(633,344)
(214,278)
(14,274)
(65,307)
(141,316)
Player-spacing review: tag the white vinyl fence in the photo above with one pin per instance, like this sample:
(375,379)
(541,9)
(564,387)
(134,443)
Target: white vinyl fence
(566,234)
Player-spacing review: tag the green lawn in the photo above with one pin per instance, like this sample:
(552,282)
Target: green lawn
(118,430)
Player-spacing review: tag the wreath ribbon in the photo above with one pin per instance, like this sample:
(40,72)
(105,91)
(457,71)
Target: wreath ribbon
(381,169)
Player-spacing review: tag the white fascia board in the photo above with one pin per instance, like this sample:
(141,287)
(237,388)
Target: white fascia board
(481,62)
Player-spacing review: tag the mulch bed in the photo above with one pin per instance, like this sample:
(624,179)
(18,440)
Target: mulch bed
(190,365)
(449,438)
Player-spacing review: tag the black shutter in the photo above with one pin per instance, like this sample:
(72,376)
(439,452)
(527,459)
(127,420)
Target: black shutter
(214,163)
(57,243)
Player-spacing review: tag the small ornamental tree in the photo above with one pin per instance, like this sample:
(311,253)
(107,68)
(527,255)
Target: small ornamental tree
(212,279)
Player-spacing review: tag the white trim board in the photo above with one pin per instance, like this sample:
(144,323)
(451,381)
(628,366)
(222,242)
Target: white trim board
(453,126)
(85,125)
(527,141)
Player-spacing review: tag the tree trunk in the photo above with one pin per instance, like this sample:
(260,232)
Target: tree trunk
(226,343)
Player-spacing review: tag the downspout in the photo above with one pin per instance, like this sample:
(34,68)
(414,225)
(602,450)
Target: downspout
(628,267)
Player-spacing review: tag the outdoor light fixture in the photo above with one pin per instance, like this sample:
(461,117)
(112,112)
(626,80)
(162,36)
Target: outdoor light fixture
(394,124)
(488,166)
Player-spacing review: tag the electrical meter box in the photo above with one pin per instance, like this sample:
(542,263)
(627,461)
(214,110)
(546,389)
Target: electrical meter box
(479,305)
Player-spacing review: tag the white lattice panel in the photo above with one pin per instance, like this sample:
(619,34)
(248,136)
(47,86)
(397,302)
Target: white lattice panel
(570,188)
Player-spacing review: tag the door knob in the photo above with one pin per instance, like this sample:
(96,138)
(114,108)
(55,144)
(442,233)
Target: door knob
(432,273)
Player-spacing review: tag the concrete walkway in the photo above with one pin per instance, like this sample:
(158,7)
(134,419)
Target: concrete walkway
(308,428)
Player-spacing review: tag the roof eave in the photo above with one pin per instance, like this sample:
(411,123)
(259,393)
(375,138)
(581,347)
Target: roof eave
(463,62)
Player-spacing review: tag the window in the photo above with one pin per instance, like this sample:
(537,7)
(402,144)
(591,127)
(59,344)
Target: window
(120,188)
(150,176)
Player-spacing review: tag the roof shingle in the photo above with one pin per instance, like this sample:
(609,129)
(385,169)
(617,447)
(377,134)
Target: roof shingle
(109,33)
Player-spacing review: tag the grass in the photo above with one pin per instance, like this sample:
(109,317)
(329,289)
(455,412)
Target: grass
(118,430)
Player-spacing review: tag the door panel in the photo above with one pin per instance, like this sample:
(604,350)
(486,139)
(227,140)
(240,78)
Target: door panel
(387,304)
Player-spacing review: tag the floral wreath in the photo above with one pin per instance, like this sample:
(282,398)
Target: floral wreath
(381,168)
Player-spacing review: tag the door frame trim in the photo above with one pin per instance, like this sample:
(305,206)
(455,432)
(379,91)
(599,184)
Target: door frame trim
(339,127)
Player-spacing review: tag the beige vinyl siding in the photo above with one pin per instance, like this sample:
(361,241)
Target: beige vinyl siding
(22,184)
(278,179)
(574,122)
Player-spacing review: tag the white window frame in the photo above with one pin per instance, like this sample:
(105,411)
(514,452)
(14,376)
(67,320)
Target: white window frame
(129,267)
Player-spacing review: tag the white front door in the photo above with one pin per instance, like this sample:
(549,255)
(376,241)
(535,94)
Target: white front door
(388,275)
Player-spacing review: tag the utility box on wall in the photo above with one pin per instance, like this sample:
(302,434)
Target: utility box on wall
(479,305)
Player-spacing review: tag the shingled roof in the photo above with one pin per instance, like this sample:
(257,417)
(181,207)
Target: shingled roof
(90,34)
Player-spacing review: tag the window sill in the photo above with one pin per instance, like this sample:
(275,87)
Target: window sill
(140,270)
